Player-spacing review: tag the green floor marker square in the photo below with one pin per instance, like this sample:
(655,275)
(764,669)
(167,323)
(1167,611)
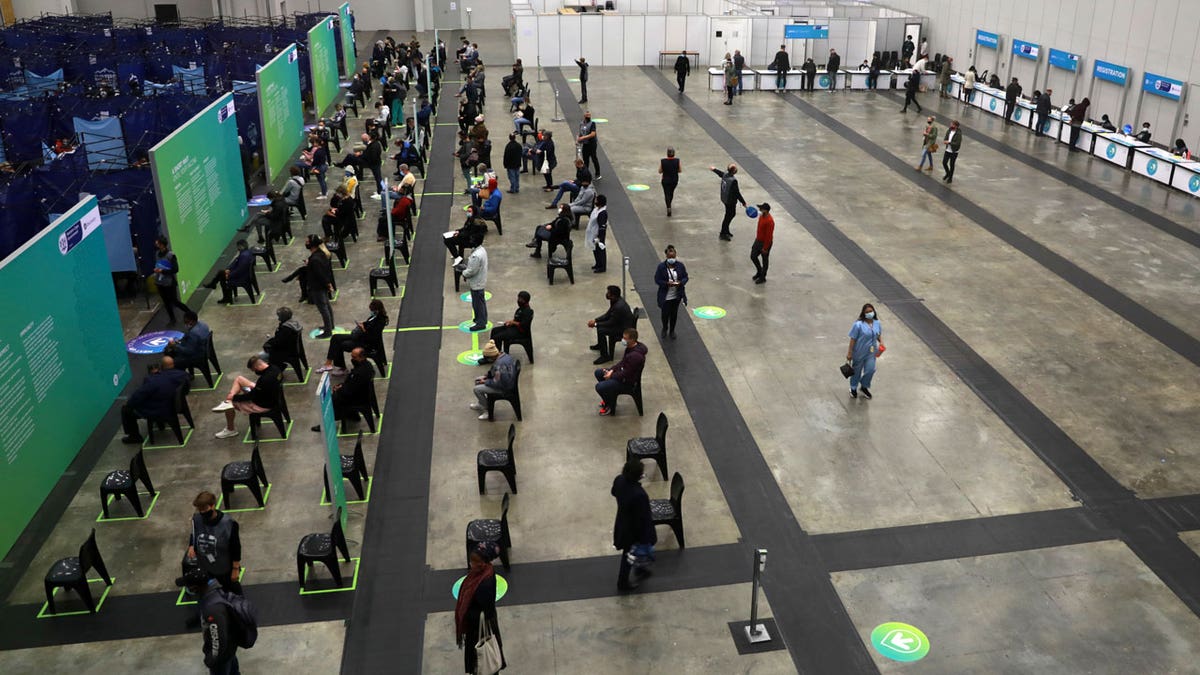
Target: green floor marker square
(249,497)
(216,383)
(389,373)
(349,489)
(307,374)
(342,269)
(268,423)
(336,293)
(362,425)
(169,433)
(42,614)
(256,303)
(353,580)
(270,270)
(399,293)
(101,519)
(181,602)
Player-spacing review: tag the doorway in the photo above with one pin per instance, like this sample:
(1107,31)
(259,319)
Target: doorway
(726,36)
(914,29)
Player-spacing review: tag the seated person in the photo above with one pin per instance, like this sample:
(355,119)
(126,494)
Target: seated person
(251,397)
(486,179)
(293,191)
(518,328)
(470,235)
(282,346)
(611,324)
(581,175)
(410,156)
(1144,134)
(356,390)
(555,232)
(622,378)
(491,206)
(272,220)
(238,273)
(403,207)
(191,350)
(1104,122)
(367,334)
(501,379)
(155,399)
(1181,149)
(584,201)
(525,117)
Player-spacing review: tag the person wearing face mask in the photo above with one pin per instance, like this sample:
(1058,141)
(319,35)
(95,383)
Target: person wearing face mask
(588,144)
(367,334)
(356,390)
(622,378)
(596,233)
(866,344)
(216,544)
(611,324)
(928,144)
(671,277)
(518,327)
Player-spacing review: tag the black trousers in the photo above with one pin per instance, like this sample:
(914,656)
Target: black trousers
(948,160)
(1038,121)
(680,78)
(588,154)
(601,256)
(623,572)
(911,97)
(669,192)
(1075,136)
(583,89)
(730,210)
(129,421)
(170,300)
(810,81)
(670,313)
(1008,110)
(761,257)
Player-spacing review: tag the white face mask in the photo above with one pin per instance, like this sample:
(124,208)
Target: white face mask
(624,342)
(869,315)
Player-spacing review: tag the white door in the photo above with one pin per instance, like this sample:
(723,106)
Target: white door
(725,36)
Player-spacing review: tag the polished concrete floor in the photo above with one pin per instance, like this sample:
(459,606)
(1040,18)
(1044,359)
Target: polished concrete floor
(1048,296)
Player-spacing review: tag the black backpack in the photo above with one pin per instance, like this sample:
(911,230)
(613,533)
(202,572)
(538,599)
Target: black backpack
(246,615)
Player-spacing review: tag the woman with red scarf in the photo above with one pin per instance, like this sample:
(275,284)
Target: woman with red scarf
(477,596)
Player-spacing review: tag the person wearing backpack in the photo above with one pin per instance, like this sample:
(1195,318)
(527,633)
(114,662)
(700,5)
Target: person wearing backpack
(731,194)
(227,621)
(500,380)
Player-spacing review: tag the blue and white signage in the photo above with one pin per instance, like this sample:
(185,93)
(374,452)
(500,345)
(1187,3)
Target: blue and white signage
(986,39)
(152,343)
(1026,50)
(1110,72)
(800,31)
(1162,86)
(1064,60)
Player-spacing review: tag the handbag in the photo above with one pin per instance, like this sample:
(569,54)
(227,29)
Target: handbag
(488,660)
(847,370)
(933,148)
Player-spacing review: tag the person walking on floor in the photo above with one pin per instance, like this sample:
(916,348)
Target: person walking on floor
(731,78)
(583,78)
(950,156)
(832,67)
(764,237)
(597,232)
(911,86)
(671,277)
(166,269)
(588,144)
(731,195)
(670,168)
(781,65)
(866,344)
(928,143)
(475,272)
(683,68)
(1011,93)
(476,605)
(634,524)
(320,282)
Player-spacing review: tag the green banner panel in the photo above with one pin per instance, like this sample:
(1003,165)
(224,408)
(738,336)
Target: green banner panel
(333,456)
(348,59)
(201,198)
(281,110)
(62,359)
(322,59)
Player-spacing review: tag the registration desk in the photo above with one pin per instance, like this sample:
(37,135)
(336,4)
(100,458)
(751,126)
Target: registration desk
(1155,163)
(823,79)
(991,100)
(1087,134)
(1117,148)
(956,84)
(858,79)
(1023,113)
(716,79)
(1056,121)
(1186,177)
(794,81)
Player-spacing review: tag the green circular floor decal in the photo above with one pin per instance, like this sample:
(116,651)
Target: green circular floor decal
(637,187)
(466,297)
(470,358)
(465,326)
(501,586)
(709,312)
(337,330)
(599,120)
(900,641)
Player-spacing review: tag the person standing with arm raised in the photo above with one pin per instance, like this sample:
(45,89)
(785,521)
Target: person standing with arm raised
(731,195)
(583,78)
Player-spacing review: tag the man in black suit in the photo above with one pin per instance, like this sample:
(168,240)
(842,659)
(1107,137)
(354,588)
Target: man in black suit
(237,273)
(1043,112)
(611,324)
(356,389)
(154,399)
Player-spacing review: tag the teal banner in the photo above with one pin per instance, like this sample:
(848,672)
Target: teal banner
(62,359)
(281,110)
(323,62)
(333,455)
(347,25)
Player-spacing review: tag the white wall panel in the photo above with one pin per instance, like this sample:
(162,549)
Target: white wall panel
(548,39)
(761,51)
(858,45)
(676,35)
(656,30)
(569,39)
(591,39)
(697,38)
(614,40)
(527,40)
(635,40)
(631,6)
(656,6)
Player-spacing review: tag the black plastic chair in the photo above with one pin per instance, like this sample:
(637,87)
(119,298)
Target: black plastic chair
(72,573)
(387,274)
(298,361)
(670,511)
(179,407)
(251,474)
(354,469)
(528,130)
(337,248)
(124,483)
(525,340)
(203,365)
(635,394)
(267,253)
(651,448)
(250,285)
(376,353)
(320,547)
(611,339)
(490,529)
(513,397)
(367,409)
(277,415)
(497,219)
(498,459)
(561,262)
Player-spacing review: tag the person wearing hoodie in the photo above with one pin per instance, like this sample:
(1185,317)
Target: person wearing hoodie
(622,378)
(281,347)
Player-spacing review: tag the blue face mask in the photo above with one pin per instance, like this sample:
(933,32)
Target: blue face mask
(869,315)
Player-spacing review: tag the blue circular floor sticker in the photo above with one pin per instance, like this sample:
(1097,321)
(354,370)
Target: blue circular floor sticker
(1152,167)
(900,641)
(152,343)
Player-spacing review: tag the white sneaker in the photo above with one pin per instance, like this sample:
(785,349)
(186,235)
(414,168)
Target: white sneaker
(457,260)
(324,369)
(320,197)
(484,416)
(226,433)
(376,196)
(223,406)
(337,372)
(476,406)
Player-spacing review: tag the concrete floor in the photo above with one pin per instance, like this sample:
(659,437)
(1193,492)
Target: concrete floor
(926,449)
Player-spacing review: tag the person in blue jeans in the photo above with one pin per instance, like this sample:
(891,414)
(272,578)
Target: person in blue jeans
(866,343)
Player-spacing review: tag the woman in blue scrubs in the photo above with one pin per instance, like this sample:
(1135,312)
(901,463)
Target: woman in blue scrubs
(866,343)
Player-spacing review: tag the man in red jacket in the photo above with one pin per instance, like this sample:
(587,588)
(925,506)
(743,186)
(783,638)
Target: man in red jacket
(760,250)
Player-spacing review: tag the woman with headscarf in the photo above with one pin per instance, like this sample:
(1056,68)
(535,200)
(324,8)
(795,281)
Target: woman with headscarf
(476,598)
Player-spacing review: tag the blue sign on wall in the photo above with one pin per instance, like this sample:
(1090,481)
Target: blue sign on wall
(1064,60)
(986,39)
(799,31)
(1026,50)
(1110,72)
(1162,86)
